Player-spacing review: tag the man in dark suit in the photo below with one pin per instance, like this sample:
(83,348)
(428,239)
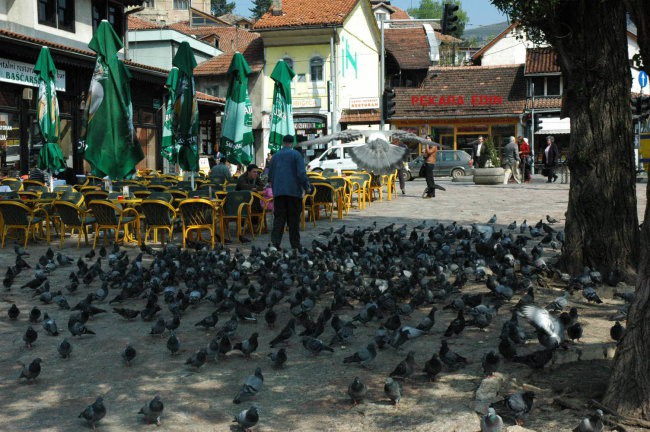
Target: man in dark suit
(479,153)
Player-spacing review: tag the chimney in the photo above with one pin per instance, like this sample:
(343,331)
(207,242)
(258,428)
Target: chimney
(276,8)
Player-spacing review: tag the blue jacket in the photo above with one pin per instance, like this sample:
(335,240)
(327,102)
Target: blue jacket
(287,173)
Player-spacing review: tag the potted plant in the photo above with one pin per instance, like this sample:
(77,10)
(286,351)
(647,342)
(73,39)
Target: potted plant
(492,173)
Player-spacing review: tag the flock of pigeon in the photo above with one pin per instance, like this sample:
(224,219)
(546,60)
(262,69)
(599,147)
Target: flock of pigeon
(369,277)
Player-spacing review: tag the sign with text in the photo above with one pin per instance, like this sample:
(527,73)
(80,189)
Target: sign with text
(364,103)
(23,73)
(306,103)
(448,100)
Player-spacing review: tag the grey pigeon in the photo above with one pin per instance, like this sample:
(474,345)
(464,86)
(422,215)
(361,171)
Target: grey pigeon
(152,410)
(278,358)
(31,371)
(405,368)
(64,348)
(315,346)
(550,219)
(559,303)
(393,389)
(591,295)
(520,404)
(13,312)
(357,390)
(173,344)
(94,412)
(379,156)
(197,359)
(50,325)
(491,422)
(490,362)
(251,387)
(248,418)
(247,346)
(550,331)
(78,329)
(493,219)
(591,423)
(432,367)
(30,336)
(364,356)
(158,328)
(452,360)
(128,354)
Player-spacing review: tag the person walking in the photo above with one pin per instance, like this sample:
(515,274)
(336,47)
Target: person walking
(526,159)
(288,179)
(430,154)
(479,153)
(401,171)
(511,161)
(550,158)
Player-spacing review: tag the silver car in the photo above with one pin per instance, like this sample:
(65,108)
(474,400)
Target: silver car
(454,163)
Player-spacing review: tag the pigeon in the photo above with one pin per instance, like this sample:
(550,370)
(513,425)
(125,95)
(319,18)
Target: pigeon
(426,323)
(31,371)
(393,389)
(173,323)
(94,412)
(357,390)
(128,354)
(197,359)
(520,404)
(550,219)
(64,348)
(616,332)
(364,356)
(491,422)
(432,367)
(248,418)
(251,387)
(173,344)
(457,325)
(507,348)
(512,226)
(550,331)
(247,346)
(278,358)
(315,346)
(452,360)
(591,295)
(49,325)
(76,328)
(286,333)
(152,410)
(158,328)
(270,317)
(591,423)
(493,219)
(13,312)
(34,315)
(129,314)
(30,336)
(405,368)
(490,362)
(378,155)
(209,321)
(536,360)
(559,303)
(574,331)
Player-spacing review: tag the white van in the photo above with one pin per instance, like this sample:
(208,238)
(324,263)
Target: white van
(335,158)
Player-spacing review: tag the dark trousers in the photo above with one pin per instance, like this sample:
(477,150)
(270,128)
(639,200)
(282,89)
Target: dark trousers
(551,173)
(431,183)
(401,175)
(286,211)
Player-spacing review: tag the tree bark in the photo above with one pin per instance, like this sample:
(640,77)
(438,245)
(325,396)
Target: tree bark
(628,392)
(601,222)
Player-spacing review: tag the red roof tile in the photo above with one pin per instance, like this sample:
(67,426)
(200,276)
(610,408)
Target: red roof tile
(136,23)
(360,116)
(253,53)
(231,39)
(200,96)
(545,103)
(541,60)
(464,91)
(298,13)
(399,13)
(409,46)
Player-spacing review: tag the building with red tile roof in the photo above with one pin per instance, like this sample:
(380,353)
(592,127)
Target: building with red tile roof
(305,13)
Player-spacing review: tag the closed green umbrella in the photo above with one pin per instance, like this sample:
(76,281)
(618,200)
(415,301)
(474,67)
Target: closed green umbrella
(168,147)
(50,157)
(186,111)
(237,122)
(112,148)
(282,115)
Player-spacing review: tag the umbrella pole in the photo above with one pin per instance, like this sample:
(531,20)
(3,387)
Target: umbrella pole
(192,179)
(51,181)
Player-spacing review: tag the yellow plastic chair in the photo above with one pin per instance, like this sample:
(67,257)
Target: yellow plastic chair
(72,216)
(109,216)
(200,214)
(18,216)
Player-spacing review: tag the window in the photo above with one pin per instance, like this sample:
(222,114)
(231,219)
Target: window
(553,86)
(288,61)
(112,11)
(180,4)
(316,69)
(57,13)
(380,16)
(538,82)
(301,78)
(216,42)
(213,90)
(149,3)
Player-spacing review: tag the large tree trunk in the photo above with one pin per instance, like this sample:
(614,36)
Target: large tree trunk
(629,386)
(601,222)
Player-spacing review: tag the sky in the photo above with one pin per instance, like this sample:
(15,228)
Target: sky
(480,12)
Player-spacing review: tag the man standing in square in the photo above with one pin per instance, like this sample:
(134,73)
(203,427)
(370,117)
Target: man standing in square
(288,179)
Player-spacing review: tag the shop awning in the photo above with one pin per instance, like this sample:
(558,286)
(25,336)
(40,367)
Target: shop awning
(554,126)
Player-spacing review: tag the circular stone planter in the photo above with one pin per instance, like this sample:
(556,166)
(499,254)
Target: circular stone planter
(489,176)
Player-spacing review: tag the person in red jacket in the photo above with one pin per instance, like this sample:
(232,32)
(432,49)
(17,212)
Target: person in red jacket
(526,158)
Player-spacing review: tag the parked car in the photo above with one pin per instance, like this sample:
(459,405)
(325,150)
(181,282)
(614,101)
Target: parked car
(336,158)
(454,163)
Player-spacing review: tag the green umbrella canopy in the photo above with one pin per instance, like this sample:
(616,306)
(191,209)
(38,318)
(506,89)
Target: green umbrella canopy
(186,111)
(50,157)
(111,145)
(282,112)
(237,122)
(168,147)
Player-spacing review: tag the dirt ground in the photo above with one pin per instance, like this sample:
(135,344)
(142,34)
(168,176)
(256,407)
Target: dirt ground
(309,393)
